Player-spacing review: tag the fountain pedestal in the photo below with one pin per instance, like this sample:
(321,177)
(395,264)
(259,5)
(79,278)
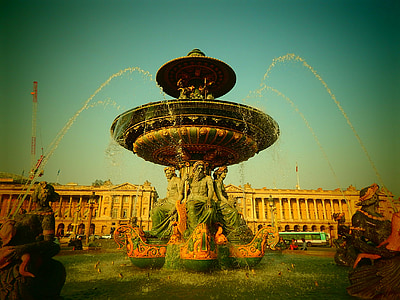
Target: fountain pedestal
(196,129)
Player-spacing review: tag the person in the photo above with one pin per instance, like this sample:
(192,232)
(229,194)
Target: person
(234,226)
(376,271)
(200,205)
(304,245)
(163,214)
(293,245)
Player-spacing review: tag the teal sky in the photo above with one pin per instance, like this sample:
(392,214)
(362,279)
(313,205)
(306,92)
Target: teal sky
(72,47)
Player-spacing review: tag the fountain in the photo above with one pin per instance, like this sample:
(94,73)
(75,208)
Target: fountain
(197,226)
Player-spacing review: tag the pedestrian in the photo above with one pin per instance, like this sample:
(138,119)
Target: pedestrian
(304,245)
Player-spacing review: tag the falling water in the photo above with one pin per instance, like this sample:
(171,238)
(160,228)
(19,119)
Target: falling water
(54,144)
(293,57)
(311,130)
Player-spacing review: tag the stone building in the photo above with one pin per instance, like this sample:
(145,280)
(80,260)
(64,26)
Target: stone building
(290,210)
(115,205)
(301,210)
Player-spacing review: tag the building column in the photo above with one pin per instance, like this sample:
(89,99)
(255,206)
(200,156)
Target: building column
(298,209)
(253,202)
(130,207)
(70,206)
(340,205)
(263,210)
(290,209)
(315,209)
(100,206)
(307,211)
(281,207)
(111,205)
(121,206)
(323,208)
(59,209)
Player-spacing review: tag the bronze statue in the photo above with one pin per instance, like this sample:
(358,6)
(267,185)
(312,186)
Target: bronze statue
(27,270)
(200,205)
(234,226)
(376,273)
(164,213)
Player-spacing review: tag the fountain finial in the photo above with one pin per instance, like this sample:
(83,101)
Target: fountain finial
(196,52)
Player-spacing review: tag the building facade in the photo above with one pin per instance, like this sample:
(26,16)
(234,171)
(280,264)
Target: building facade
(115,205)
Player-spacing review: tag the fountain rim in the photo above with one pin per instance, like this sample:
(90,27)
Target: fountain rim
(172,101)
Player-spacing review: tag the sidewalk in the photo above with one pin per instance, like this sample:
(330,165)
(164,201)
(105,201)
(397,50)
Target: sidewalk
(313,251)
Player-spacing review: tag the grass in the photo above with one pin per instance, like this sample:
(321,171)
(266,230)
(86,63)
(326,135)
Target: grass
(108,274)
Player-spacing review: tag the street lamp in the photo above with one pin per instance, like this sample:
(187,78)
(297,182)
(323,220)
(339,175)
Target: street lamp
(272,208)
(92,201)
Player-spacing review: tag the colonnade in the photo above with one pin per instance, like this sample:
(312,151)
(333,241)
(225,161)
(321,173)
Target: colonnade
(298,209)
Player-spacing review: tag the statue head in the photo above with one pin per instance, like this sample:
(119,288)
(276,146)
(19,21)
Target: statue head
(221,171)
(44,194)
(198,169)
(169,172)
(368,195)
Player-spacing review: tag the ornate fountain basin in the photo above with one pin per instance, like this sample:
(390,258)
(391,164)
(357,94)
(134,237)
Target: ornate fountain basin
(176,131)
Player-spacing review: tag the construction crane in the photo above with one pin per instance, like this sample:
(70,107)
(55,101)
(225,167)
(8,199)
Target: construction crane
(34,111)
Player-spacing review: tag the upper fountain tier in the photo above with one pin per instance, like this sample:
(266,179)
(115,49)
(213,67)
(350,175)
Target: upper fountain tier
(195,126)
(196,76)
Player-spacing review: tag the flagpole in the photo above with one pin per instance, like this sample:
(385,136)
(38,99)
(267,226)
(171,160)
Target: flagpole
(298,179)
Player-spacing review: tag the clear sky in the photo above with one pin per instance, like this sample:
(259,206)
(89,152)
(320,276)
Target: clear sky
(72,47)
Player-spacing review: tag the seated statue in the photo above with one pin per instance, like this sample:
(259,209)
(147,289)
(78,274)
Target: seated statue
(164,213)
(234,226)
(27,270)
(376,273)
(200,206)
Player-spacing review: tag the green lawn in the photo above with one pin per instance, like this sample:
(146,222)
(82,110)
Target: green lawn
(110,275)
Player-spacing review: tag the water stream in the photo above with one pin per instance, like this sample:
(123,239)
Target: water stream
(56,141)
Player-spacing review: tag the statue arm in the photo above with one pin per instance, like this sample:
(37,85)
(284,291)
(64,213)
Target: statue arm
(210,189)
(219,192)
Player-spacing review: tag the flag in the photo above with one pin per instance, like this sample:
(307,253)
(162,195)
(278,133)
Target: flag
(58,173)
(297,168)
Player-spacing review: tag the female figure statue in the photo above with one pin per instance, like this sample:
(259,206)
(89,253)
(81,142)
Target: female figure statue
(200,205)
(163,215)
(234,227)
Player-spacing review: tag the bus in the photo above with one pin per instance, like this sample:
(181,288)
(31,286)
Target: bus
(312,238)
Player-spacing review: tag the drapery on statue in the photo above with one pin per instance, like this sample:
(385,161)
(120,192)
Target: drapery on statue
(376,273)
(200,206)
(234,226)
(27,270)
(164,214)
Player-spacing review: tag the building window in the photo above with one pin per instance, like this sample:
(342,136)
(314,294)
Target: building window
(116,199)
(114,214)
(125,199)
(125,213)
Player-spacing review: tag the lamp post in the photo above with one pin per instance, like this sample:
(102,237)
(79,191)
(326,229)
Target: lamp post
(92,201)
(272,208)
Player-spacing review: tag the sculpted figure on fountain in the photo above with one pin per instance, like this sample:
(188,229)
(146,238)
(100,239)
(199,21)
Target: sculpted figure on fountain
(27,245)
(376,271)
(200,205)
(234,226)
(163,215)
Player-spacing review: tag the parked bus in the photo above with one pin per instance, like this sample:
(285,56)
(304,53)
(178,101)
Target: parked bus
(312,238)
